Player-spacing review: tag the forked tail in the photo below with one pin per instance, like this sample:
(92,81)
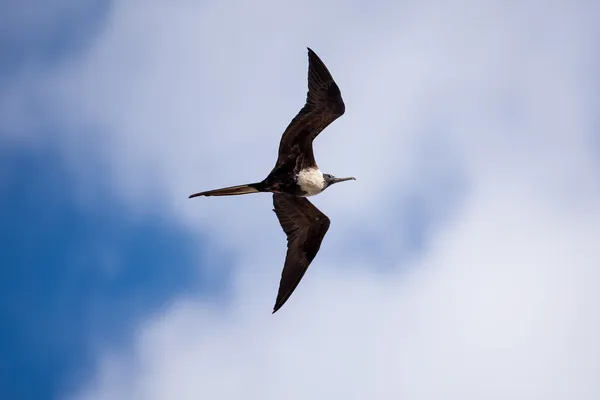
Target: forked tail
(231,190)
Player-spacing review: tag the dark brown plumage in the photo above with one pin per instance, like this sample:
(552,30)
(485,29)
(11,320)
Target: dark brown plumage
(305,227)
(324,104)
(296,175)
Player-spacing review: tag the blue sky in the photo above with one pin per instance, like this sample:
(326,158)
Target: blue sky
(74,277)
(62,278)
(462,260)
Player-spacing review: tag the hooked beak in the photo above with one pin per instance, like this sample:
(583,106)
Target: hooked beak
(336,180)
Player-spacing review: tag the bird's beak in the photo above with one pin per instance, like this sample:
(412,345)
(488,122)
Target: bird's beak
(336,180)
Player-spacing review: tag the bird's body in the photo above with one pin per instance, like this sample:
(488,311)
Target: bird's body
(296,176)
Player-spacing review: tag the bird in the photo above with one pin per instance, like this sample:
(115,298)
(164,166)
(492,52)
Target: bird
(297,176)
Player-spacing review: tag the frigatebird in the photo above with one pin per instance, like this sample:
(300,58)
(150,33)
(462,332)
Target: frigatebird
(296,176)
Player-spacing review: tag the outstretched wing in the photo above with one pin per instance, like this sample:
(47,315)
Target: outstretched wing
(305,227)
(323,105)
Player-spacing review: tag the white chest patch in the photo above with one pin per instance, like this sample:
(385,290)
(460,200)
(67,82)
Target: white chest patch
(311,181)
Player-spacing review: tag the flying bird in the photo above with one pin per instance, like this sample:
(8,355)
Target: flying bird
(296,176)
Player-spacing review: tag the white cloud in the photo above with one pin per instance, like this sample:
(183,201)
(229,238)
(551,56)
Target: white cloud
(503,306)
(501,303)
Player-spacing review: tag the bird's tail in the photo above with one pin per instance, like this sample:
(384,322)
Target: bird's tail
(231,190)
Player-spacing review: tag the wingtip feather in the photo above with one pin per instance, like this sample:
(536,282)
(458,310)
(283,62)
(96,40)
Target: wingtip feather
(276,308)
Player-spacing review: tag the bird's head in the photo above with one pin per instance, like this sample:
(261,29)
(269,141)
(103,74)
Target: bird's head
(330,180)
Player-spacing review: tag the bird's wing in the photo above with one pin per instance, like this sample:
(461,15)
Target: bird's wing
(305,227)
(323,105)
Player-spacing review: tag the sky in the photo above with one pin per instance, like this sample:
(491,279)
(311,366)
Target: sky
(461,264)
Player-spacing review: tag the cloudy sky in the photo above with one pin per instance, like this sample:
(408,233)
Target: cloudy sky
(462,264)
